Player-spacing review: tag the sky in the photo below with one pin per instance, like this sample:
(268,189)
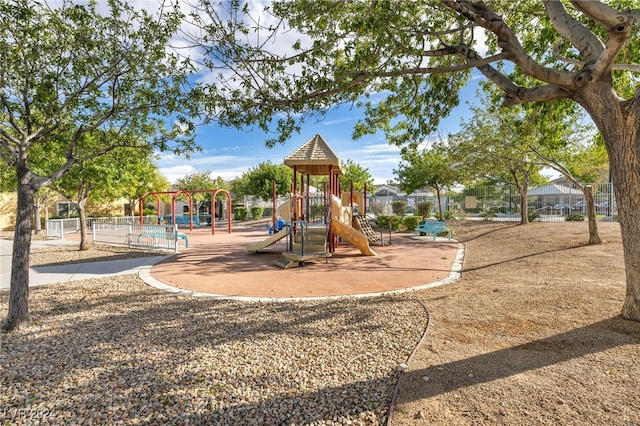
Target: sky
(229,153)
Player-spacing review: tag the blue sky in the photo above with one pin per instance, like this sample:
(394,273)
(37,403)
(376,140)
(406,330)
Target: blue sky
(229,153)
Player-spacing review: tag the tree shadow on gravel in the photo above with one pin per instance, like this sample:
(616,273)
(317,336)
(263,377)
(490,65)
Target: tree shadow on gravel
(140,352)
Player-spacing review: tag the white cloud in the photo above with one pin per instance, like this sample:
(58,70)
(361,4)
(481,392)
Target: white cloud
(173,173)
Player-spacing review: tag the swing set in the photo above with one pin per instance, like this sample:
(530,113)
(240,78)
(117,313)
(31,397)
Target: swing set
(189,194)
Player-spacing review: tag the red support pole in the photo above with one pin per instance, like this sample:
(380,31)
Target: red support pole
(294,185)
(212,211)
(308,200)
(301,201)
(273,195)
(157,208)
(364,210)
(173,208)
(351,197)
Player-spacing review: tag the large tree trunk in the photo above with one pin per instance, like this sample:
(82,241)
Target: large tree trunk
(619,123)
(19,290)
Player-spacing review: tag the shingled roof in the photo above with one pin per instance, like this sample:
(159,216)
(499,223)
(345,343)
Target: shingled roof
(315,158)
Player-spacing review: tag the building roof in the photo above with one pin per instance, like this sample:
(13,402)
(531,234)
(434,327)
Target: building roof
(554,189)
(315,158)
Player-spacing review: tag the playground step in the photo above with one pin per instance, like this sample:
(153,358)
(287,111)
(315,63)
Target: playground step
(317,229)
(284,263)
(293,255)
(310,237)
(314,231)
(310,246)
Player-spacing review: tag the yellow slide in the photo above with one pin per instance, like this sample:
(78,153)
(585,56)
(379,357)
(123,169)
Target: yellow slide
(341,226)
(284,211)
(353,236)
(257,246)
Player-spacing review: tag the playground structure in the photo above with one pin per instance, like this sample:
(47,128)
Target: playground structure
(316,224)
(189,194)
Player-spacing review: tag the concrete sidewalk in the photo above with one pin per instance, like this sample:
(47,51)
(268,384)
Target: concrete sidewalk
(78,271)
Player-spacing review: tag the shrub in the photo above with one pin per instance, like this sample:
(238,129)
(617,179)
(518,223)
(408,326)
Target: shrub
(424,208)
(392,223)
(256,212)
(488,214)
(240,213)
(574,217)
(450,214)
(377,208)
(410,222)
(398,207)
(533,215)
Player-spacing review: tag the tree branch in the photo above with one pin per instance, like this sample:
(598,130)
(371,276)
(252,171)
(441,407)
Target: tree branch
(577,34)
(482,15)
(619,27)
(535,94)
(601,13)
(577,63)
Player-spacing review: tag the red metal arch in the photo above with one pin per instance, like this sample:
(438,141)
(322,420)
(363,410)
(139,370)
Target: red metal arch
(188,193)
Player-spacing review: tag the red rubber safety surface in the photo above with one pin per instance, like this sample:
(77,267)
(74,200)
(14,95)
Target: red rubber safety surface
(219,264)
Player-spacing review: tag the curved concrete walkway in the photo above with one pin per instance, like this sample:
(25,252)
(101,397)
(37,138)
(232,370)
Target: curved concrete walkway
(41,275)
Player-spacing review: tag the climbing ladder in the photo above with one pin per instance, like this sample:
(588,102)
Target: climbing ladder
(361,223)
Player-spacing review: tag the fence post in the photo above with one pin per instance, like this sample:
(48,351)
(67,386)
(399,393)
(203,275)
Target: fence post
(130,236)
(62,229)
(93,232)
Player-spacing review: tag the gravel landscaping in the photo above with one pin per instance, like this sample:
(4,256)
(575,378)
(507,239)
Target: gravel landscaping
(115,351)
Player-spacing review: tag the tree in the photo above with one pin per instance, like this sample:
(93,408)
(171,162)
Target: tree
(354,172)
(197,181)
(582,164)
(427,168)
(563,142)
(496,144)
(139,177)
(104,178)
(259,180)
(419,55)
(69,71)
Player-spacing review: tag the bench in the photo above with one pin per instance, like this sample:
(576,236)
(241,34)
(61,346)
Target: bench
(432,227)
(158,232)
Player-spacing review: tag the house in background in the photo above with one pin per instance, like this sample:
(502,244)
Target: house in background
(55,206)
(8,206)
(387,194)
(554,194)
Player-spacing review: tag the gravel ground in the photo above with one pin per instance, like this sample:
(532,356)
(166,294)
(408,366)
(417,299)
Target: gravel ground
(115,351)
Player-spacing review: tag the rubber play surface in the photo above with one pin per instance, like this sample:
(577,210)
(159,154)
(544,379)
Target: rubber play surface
(219,265)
